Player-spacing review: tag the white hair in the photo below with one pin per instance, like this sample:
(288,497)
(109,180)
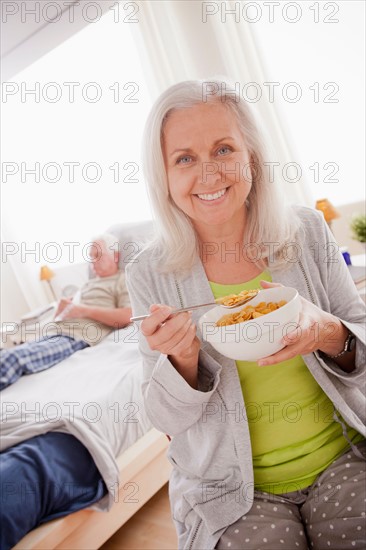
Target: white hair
(110,241)
(269,218)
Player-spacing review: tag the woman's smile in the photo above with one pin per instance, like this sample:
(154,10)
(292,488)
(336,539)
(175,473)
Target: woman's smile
(213,198)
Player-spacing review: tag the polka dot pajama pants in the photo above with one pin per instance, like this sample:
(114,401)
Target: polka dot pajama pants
(328,514)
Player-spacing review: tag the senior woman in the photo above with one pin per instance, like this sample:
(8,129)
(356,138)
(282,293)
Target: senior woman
(246,472)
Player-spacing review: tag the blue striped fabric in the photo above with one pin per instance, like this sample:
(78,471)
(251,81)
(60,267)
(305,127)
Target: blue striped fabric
(33,357)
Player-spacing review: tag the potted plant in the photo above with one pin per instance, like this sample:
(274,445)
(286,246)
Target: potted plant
(358,228)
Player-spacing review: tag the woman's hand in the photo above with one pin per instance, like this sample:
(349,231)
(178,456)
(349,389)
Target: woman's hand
(316,330)
(175,337)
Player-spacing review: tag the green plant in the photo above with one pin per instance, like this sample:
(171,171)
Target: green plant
(358,227)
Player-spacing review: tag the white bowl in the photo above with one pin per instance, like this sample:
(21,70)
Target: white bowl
(252,340)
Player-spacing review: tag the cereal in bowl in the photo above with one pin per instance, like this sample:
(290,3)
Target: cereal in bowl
(249,312)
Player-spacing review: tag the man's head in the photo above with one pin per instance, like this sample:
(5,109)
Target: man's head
(104,255)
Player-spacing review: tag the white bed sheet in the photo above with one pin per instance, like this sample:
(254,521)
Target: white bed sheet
(94,395)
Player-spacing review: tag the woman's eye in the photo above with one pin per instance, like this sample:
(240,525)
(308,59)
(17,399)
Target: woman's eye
(184,160)
(223,150)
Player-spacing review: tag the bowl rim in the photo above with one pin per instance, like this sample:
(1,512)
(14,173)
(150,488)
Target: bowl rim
(296,296)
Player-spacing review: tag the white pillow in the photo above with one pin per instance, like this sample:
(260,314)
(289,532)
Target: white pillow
(131,238)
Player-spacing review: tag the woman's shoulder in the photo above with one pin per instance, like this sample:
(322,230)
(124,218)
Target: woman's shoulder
(312,221)
(308,215)
(144,260)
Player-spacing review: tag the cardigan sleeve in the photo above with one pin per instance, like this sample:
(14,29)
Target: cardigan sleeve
(171,403)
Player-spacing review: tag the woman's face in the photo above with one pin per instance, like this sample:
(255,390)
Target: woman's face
(207,164)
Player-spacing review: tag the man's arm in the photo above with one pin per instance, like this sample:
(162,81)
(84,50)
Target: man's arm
(112,317)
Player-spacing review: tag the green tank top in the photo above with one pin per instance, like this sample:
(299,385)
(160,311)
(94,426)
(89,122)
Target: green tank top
(293,434)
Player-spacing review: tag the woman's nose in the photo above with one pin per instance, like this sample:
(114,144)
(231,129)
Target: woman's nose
(210,173)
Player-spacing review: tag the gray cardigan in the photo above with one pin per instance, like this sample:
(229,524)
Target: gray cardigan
(211,485)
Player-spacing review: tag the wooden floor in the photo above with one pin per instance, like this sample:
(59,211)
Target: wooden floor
(151,528)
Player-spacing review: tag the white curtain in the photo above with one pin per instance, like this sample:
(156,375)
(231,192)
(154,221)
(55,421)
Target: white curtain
(177,42)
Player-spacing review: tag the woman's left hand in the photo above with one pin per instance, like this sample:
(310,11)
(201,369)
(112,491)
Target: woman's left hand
(316,330)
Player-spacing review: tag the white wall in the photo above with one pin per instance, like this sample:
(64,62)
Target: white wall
(306,52)
(341,229)
(13,302)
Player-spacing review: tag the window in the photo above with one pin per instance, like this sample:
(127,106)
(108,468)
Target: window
(71,154)
(315,70)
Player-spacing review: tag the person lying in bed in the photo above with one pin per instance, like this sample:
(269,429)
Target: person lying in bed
(104,306)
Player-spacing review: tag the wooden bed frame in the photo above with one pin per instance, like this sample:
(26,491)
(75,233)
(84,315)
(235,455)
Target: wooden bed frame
(144,469)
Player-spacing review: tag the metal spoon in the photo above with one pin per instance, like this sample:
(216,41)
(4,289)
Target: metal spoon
(244,300)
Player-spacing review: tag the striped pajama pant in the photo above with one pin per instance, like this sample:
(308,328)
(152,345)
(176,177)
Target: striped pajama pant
(33,357)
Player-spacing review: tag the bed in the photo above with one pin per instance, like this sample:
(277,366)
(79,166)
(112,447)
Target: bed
(95,396)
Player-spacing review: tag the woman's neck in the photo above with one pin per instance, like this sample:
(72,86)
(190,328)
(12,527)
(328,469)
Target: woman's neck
(224,256)
(228,235)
